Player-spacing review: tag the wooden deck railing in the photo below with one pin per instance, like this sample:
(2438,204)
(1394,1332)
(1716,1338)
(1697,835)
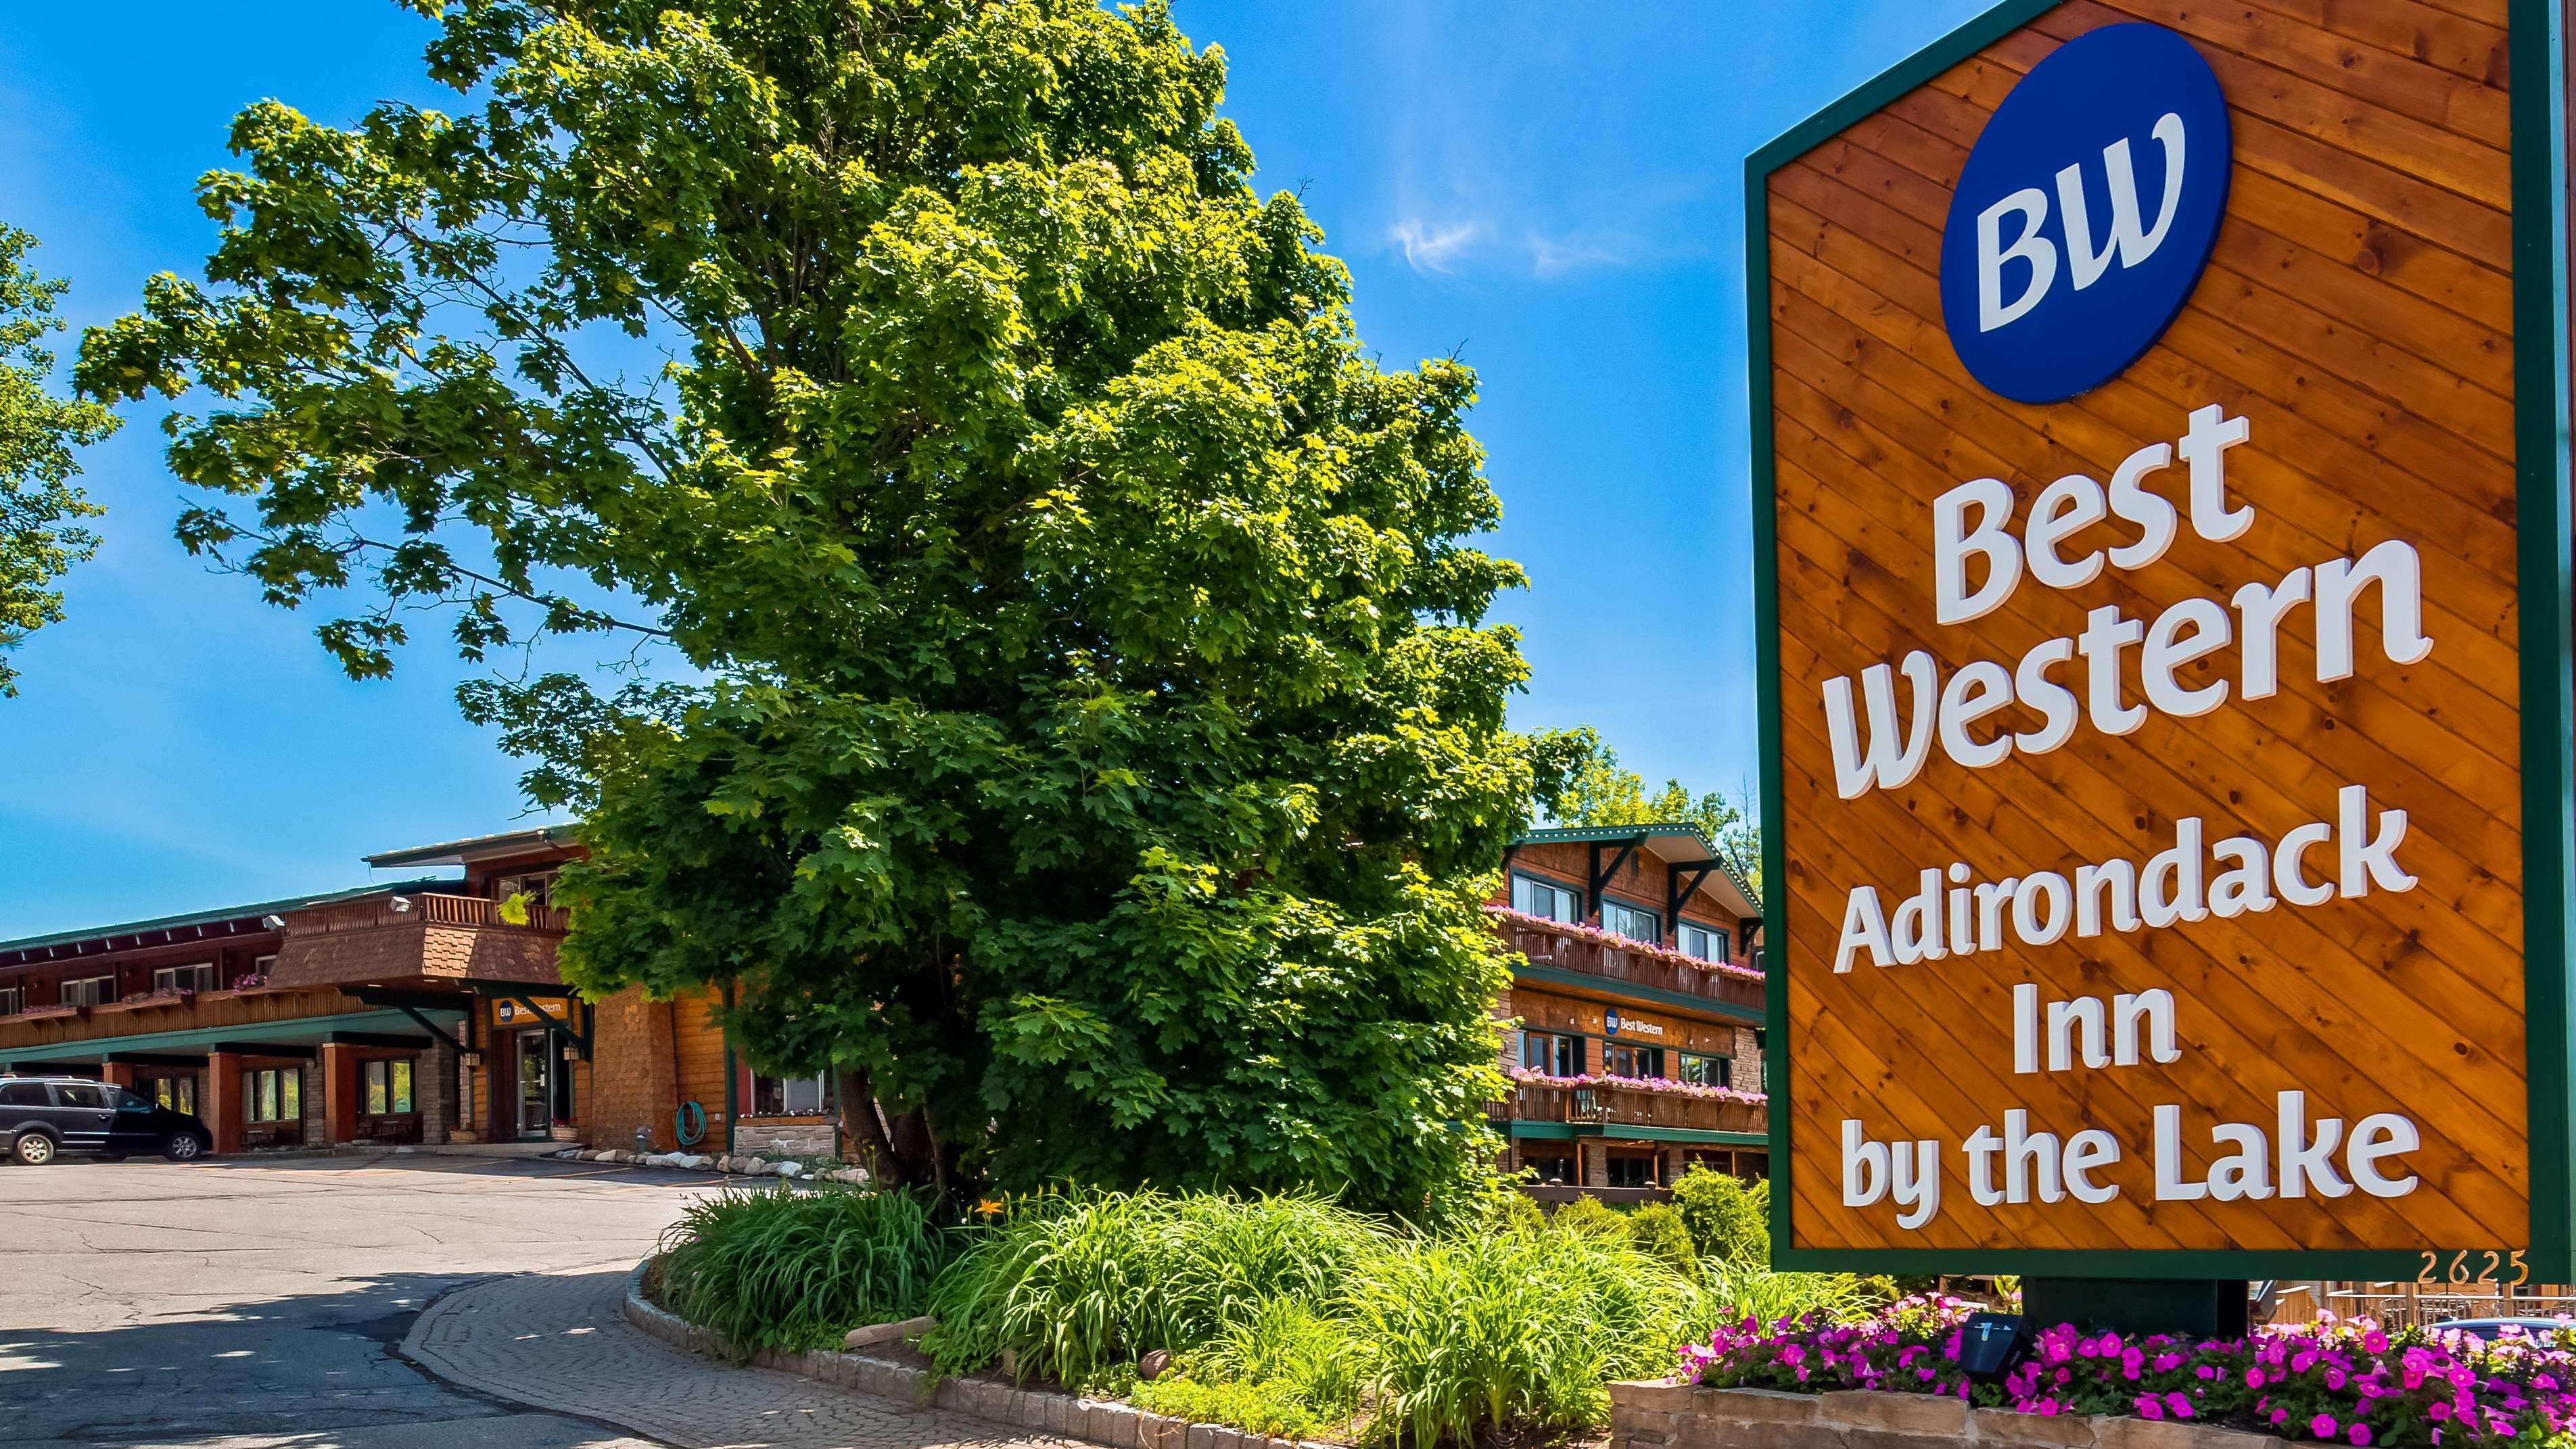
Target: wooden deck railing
(1545,946)
(425,910)
(1627,1106)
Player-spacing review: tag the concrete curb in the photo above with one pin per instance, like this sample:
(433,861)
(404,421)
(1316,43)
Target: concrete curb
(1097,1421)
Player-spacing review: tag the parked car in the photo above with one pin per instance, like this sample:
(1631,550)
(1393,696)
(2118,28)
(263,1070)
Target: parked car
(43,1117)
(2482,1329)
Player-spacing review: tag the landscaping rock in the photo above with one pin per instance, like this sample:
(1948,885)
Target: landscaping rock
(878,1333)
(788,1169)
(1151,1366)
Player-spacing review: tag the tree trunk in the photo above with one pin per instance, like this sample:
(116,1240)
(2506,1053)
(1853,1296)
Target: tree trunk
(866,1126)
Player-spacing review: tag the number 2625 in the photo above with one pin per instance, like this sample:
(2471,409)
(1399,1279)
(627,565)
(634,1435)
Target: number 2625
(2472,1265)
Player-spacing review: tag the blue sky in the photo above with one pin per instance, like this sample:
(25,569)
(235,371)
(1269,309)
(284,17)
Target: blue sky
(1549,191)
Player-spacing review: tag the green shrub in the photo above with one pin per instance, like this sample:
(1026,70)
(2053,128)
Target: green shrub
(1590,1217)
(1659,1230)
(795,1269)
(1519,1329)
(1728,1220)
(1076,1286)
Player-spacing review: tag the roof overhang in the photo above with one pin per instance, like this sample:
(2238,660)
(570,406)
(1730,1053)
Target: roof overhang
(479,847)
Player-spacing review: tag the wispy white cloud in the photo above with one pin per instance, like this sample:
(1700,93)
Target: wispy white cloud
(1430,246)
(1555,256)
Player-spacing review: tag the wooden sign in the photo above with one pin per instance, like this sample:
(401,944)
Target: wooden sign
(2160,494)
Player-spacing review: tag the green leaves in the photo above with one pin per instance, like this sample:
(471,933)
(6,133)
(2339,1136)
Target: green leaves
(1081,721)
(39,541)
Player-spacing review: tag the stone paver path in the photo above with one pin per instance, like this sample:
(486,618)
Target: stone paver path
(560,1341)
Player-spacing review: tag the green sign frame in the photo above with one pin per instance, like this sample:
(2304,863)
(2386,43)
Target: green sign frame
(2536,46)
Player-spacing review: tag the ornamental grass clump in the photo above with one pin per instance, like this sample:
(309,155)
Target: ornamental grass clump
(1513,1328)
(2346,1382)
(790,1268)
(1074,1287)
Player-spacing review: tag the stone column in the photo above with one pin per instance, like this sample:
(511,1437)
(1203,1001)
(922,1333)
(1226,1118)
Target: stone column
(223,1103)
(433,1091)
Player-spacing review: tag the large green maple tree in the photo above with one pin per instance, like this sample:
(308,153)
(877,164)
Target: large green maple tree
(41,536)
(1090,743)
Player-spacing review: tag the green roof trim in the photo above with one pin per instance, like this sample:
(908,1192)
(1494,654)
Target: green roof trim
(213,917)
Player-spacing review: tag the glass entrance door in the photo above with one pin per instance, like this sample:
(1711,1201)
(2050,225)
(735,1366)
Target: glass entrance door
(536,1084)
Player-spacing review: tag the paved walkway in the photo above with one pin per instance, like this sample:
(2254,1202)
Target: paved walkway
(560,1341)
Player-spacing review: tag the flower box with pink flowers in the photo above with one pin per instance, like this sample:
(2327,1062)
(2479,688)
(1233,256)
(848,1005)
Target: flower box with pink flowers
(1895,1380)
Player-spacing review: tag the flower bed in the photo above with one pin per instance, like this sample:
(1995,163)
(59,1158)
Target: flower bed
(2338,1381)
(1612,940)
(1529,1078)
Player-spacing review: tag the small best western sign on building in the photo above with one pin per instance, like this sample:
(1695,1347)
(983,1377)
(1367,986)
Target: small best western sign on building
(2160,480)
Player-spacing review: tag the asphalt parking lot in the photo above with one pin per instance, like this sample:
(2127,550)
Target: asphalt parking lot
(256,1302)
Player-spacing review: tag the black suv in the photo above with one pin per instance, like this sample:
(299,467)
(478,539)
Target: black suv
(43,1116)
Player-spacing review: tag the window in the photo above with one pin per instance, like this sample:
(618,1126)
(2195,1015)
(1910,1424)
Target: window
(387,1087)
(1708,943)
(538,886)
(261,967)
(1550,1169)
(1707,1071)
(13,999)
(1760,1044)
(24,1094)
(89,991)
(273,1095)
(1628,921)
(82,1094)
(179,1094)
(185,978)
(789,1096)
(1546,900)
(1632,1172)
(1621,1060)
(1555,1055)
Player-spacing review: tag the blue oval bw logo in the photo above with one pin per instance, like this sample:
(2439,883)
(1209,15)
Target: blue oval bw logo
(2085,213)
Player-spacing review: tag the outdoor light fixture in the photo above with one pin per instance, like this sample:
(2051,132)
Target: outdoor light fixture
(1991,1343)
(572,1051)
(272,923)
(470,1061)
(401,905)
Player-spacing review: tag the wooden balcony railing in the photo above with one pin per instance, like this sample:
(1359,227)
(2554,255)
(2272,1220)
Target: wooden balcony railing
(1546,945)
(473,912)
(1627,1106)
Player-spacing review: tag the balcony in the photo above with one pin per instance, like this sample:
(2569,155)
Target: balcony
(1572,949)
(428,938)
(472,912)
(1626,1107)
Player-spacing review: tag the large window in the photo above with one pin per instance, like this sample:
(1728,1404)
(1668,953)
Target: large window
(1546,900)
(1619,1059)
(1555,1055)
(1708,943)
(1620,919)
(275,1094)
(1556,1170)
(13,999)
(537,885)
(386,1087)
(185,978)
(1632,1172)
(179,1094)
(789,1096)
(1707,1071)
(89,991)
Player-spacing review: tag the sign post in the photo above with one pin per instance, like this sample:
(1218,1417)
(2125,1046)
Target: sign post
(2160,491)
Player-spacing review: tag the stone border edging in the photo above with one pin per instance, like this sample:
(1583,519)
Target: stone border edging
(1099,1421)
(1665,1415)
